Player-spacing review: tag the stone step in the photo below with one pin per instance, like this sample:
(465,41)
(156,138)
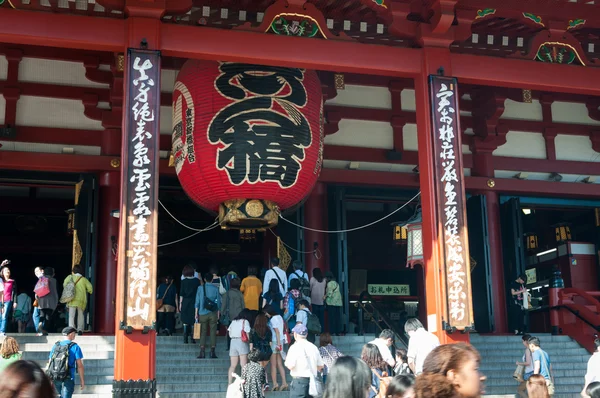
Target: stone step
(510,366)
(46,347)
(509,381)
(87,355)
(474,338)
(270,394)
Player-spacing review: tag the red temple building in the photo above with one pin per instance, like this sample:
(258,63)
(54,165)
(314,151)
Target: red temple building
(489,109)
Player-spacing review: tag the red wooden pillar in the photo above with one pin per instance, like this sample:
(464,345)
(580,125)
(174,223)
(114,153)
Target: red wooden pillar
(483,167)
(108,234)
(435,288)
(135,350)
(315,216)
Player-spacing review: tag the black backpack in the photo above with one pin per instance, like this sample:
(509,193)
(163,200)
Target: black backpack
(312,323)
(304,286)
(58,368)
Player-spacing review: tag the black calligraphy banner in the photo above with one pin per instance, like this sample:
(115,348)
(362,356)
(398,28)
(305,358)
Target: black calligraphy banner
(450,192)
(139,195)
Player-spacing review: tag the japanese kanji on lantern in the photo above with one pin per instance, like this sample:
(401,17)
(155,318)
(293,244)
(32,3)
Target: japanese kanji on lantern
(247,139)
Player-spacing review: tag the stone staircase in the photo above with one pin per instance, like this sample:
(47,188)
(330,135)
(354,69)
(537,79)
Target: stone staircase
(499,354)
(179,374)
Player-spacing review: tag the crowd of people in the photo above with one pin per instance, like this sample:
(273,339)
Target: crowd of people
(43,310)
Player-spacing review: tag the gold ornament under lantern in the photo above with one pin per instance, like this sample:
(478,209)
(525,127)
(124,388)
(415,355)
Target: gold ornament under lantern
(282,254)
(247,235)
(255,214)
(563,233)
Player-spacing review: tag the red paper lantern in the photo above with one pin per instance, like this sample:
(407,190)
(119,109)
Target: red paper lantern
(247,139)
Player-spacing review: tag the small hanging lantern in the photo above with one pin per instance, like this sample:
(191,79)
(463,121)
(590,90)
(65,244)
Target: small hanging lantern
(400,234)
(532,241)
(414,241)
(563,233)
(70,221)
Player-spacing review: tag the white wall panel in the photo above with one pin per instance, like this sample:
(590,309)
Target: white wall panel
(46,71)
(569,112)
(166,120)
(52,112)
(523,145)
(575,147)
(3,67)
(409,135)
(408,100)
(2,108)
(369,166)
(48,148)
(363,134)
(544,176)
(522,111)
(363,97)
(168,77)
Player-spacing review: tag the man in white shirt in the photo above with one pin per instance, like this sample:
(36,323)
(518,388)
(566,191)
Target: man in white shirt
(298,272)
(275,273)
(593,368)
(421,343)
(304,361)
(384,342)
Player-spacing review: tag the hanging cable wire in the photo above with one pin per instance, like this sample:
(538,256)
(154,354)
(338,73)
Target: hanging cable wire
(182,224)
(352,229)
(213,226)
(317,253)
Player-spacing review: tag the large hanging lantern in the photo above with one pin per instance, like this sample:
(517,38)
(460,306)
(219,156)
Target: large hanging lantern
(414,242)
(247,139)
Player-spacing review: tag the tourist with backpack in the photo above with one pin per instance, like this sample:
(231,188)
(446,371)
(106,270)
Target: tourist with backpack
(76,289)
(302,277)
(66,359)
(208,311)
(308,319)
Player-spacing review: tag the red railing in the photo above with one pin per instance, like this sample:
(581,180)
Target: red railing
(577,313)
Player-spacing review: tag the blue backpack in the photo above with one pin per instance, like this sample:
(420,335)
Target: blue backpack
(290,310)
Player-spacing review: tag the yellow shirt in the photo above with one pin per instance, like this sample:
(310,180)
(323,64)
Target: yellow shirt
(252,288)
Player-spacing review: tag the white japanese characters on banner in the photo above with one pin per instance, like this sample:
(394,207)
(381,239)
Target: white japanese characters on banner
(140,184)
(450,191)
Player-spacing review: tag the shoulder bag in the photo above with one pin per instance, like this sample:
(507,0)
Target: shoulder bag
(159,302)
(315,386)
(68,293)
(245,338)
(209,304)
(278,278)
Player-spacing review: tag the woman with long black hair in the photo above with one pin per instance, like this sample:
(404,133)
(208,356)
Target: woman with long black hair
(348,378)
(317,294)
